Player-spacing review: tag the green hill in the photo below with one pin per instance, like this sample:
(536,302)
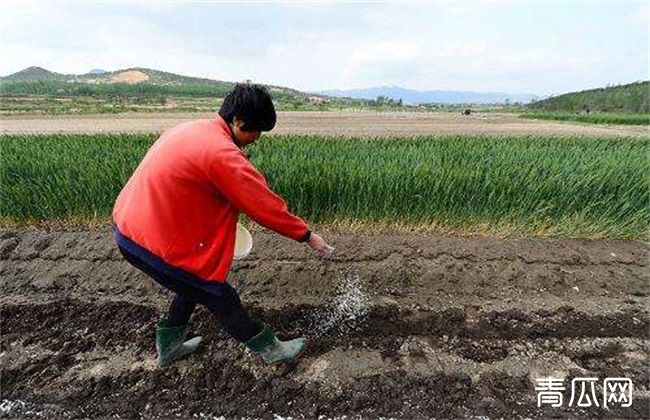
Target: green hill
(633,97)
(31,74)
(131,81)
(36,90)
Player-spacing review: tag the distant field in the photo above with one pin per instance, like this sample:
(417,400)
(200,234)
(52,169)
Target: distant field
(369,124)
(531,185)
(595,118)
(84,105)
(81,105)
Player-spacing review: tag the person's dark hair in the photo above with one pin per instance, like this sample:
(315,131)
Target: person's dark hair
(251,104)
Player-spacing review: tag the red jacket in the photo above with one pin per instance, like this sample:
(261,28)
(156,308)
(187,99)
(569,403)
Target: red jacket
(182,202)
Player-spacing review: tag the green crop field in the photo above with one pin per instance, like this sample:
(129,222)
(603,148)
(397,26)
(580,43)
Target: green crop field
(594,118)
(530,185)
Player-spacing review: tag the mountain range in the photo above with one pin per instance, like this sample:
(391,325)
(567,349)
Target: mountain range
(133,76)
(411,96)
(137,75)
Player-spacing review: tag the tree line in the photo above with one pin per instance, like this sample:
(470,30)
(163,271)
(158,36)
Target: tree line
(633,97)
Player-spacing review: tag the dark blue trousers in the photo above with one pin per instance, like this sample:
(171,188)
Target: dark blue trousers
(189,290)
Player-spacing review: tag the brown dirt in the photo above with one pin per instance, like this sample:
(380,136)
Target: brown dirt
(400,325)
(131,77)
(368,124)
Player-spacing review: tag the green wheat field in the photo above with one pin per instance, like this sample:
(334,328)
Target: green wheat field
(524,185)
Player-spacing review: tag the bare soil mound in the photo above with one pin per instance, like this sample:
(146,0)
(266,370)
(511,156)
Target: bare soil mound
(130,76)
(403,326)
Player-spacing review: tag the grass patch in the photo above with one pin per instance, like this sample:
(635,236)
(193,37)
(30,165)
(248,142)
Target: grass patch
(530,185)
(597,118)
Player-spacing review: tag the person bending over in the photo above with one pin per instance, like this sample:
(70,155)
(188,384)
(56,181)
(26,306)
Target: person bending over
(176,219)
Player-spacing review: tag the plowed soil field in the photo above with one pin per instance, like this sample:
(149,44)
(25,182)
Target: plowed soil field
(399,325)
(365,124)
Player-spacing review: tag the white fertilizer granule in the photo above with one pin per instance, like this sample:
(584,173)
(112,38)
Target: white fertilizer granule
(349,306)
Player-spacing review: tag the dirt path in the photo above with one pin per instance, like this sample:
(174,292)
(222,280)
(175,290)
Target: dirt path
(369,124)
(405,326)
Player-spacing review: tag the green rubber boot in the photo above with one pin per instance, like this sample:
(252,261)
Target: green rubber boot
(171,344)
(272,350)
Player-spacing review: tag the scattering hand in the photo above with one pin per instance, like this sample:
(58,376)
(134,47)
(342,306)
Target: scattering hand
(316,242)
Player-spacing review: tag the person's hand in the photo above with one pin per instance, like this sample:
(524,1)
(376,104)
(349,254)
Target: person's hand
(316,242)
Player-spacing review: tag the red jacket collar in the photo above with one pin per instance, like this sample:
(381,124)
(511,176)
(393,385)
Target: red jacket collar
(226,129)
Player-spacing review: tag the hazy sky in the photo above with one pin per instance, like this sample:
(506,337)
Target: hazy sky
(516,47)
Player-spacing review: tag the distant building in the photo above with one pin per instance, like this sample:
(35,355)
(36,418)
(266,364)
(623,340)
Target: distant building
(316,100)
